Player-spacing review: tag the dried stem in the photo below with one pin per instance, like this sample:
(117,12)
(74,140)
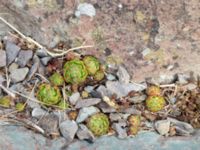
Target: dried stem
(39,45)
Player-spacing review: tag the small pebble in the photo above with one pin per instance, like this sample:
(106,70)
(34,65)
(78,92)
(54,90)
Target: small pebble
(2,58)
(87,102)
(74,98)
(38,112)
(84,133)
(120,129)
(110,77)
(13,66)
(85,9)
(24,57)
(45,60)
(12,51)
(123,75)
(162,126)
(68,129)
(85,112)
(18,75)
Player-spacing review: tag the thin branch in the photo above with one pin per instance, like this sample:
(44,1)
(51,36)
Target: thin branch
(7,91)
(39,45)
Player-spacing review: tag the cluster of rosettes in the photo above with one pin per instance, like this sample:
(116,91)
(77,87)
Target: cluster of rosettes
(75,72)
(155,102)
(134,124)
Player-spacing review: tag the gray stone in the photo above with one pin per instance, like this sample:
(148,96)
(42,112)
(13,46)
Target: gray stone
(13,66)
(68,129)
(123,75)
(85,9)
(120,128)
(131,110)
(183,78)
(110,77)
(182,128)
(84,133)
(137,99)
(41,53)
(74,98)
(85,112)
(24,57)
(34,68)
(121,89)
(162,126)
(106,108)
(38,112)
(12,135)
(2,79)
(45,60)
(18,75)
(12,51)
(103,91)
(87,102)
(115,116)
(2,58)
(162,79)
(89,89)
(49,124)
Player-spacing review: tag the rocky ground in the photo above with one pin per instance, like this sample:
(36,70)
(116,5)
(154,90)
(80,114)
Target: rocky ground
(142,43)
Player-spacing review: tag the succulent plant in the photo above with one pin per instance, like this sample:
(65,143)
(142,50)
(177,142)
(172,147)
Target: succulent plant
(134,120)
(75,71)
(99,75)
(92,64)
(155,103)
(49,95)
(56,79)
(98,124)
(153,91)
(20,106)
(63,105)
(5,101)
(133,130)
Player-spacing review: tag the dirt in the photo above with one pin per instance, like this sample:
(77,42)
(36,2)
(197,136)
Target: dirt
(122,29)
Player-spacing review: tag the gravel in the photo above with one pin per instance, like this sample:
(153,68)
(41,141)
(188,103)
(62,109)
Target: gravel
(34,68)
(123,75)
(49,124)
(84,133)
(87,102)
(137,99)
(12,67)
(18,75)
(85,9)
(38,112)
(2,58)
(24,57)
(12,51)
(68,129)
(121,89)
(85,112)
(182,128)
(162,126)
(120,129)
(74,98)
(45,60)
(110,77)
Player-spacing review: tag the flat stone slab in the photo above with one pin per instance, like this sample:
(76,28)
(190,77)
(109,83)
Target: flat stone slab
(19,138)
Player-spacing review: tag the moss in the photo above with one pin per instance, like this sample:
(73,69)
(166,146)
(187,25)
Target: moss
(75,72)
(50,95)
(98,124)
